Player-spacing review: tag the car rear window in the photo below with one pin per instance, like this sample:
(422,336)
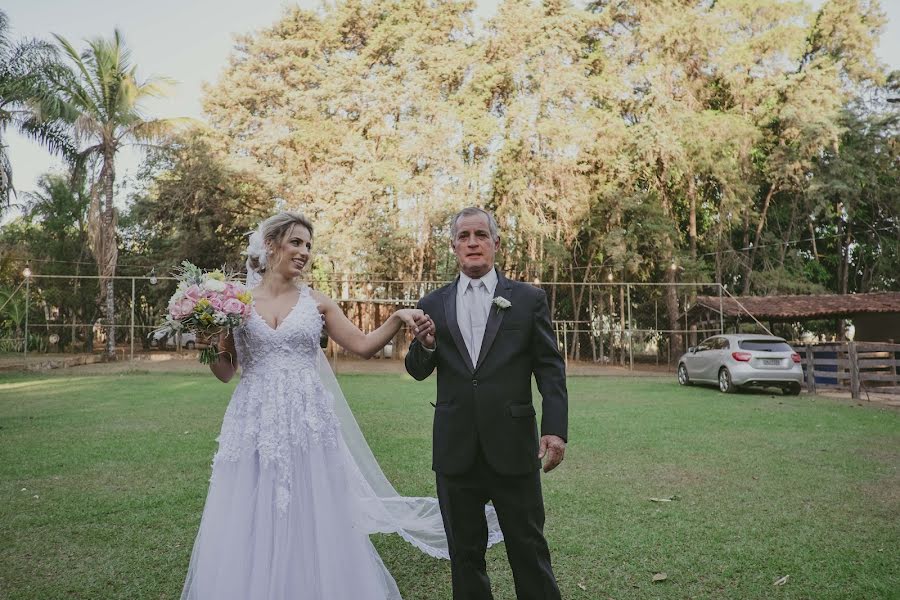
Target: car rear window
(765,345)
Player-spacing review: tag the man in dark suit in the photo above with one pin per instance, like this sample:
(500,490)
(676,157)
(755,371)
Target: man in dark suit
(486,336)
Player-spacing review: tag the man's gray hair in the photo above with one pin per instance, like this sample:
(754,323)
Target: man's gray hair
(472,211)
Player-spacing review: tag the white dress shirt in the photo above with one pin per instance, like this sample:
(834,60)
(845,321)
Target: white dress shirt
(473,305)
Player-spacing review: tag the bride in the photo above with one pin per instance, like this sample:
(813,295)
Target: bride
(295,490)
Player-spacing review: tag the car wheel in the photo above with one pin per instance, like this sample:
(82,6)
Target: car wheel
(792,390)
(683,378)
(190,345)
(726,386)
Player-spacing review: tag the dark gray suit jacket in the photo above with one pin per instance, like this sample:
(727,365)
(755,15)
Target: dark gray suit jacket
(490,405)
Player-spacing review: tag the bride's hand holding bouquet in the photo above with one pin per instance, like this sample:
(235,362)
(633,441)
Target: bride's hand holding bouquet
(207,303)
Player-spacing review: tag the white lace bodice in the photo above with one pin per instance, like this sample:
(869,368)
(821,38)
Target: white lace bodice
(280,404)
(293,345)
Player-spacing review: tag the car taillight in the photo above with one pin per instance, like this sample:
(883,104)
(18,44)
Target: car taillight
(795,357)
(741,356)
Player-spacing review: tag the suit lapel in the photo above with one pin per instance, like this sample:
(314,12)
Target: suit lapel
(453,325)
(495,318)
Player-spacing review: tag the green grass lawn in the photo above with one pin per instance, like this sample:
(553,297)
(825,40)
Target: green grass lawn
(103,478)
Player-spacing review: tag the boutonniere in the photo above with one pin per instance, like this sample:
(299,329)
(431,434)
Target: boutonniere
(501,303)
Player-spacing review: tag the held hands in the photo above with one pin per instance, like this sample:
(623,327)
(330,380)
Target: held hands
(410,317)
(554,448)
(425,331)
(420,323)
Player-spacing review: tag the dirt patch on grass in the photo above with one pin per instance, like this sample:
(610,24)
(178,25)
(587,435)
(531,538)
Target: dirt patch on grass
(884,491)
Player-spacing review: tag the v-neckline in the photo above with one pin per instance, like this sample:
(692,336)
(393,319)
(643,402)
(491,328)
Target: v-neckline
(286,316)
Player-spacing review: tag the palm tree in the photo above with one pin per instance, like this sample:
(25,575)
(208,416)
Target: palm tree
(103,91)
(27,101)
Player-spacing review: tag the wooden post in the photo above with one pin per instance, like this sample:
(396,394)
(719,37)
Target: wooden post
(131,335)
(894,361)
(853,365)
(622,324)
(810,370)
(630,330)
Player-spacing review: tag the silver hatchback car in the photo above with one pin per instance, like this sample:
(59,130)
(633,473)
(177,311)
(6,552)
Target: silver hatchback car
(735,360)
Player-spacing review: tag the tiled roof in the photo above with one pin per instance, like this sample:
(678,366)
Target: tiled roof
(802,307)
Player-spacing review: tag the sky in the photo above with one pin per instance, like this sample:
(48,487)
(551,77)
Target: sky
(190,41)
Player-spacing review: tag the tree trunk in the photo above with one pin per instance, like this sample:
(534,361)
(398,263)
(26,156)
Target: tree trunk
(787,236)
(578,300)
(745,245)
(110,251)
(812,237)
(845,267)
(762,221)
(420,260)
(692,217)
(756,238)
(672,312)
(841,248)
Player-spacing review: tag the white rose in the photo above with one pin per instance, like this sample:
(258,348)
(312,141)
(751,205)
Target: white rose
(502,303)
(214,285)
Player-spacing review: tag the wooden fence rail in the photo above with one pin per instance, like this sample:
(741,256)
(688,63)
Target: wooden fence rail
(853,366)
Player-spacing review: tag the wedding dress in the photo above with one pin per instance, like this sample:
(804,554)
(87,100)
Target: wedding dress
(295,491)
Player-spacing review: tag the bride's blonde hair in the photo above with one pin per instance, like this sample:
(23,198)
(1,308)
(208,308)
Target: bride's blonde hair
(274,230)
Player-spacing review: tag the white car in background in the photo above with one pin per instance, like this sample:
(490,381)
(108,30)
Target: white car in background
(732,361)
(188,340)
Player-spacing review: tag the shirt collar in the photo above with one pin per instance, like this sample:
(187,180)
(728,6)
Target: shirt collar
(489,279)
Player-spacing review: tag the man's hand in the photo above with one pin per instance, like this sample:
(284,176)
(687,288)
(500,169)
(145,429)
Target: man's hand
(425,331)
(554,448)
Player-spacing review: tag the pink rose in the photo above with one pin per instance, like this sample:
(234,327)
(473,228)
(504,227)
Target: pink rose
(216,302)
(231,291)
(233,306)
(194,293)
(181,308)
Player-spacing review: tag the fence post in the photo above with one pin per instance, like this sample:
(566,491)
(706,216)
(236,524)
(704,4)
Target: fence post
(630,330)
(853,365)
(622,323)
(27,296)
(810,369)
(132,320)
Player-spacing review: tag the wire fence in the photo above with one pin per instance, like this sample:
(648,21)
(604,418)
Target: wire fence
(617,323)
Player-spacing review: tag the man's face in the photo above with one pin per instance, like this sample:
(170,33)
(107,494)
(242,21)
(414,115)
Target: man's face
(473,245)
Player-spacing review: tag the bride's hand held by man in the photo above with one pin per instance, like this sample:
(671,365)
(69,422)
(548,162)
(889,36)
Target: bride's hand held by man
(424,330)
(417,321)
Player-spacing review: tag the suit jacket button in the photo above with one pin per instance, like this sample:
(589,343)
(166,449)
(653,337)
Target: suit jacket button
(474,383)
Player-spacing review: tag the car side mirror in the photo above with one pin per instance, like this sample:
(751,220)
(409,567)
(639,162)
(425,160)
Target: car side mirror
(692,350)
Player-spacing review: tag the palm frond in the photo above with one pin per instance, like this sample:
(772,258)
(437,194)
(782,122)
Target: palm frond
(6,177)
(53,135)
(79,93)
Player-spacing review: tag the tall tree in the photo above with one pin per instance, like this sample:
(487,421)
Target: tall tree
(192,204)
(27,101)
(105,94)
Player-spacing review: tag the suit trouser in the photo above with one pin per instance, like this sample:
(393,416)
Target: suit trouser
(520,510)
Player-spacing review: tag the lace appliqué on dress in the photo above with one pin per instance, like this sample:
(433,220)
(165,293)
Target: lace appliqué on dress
(280,406)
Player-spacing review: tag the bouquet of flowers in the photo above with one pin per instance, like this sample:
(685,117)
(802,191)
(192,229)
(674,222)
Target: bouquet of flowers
(207,303)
